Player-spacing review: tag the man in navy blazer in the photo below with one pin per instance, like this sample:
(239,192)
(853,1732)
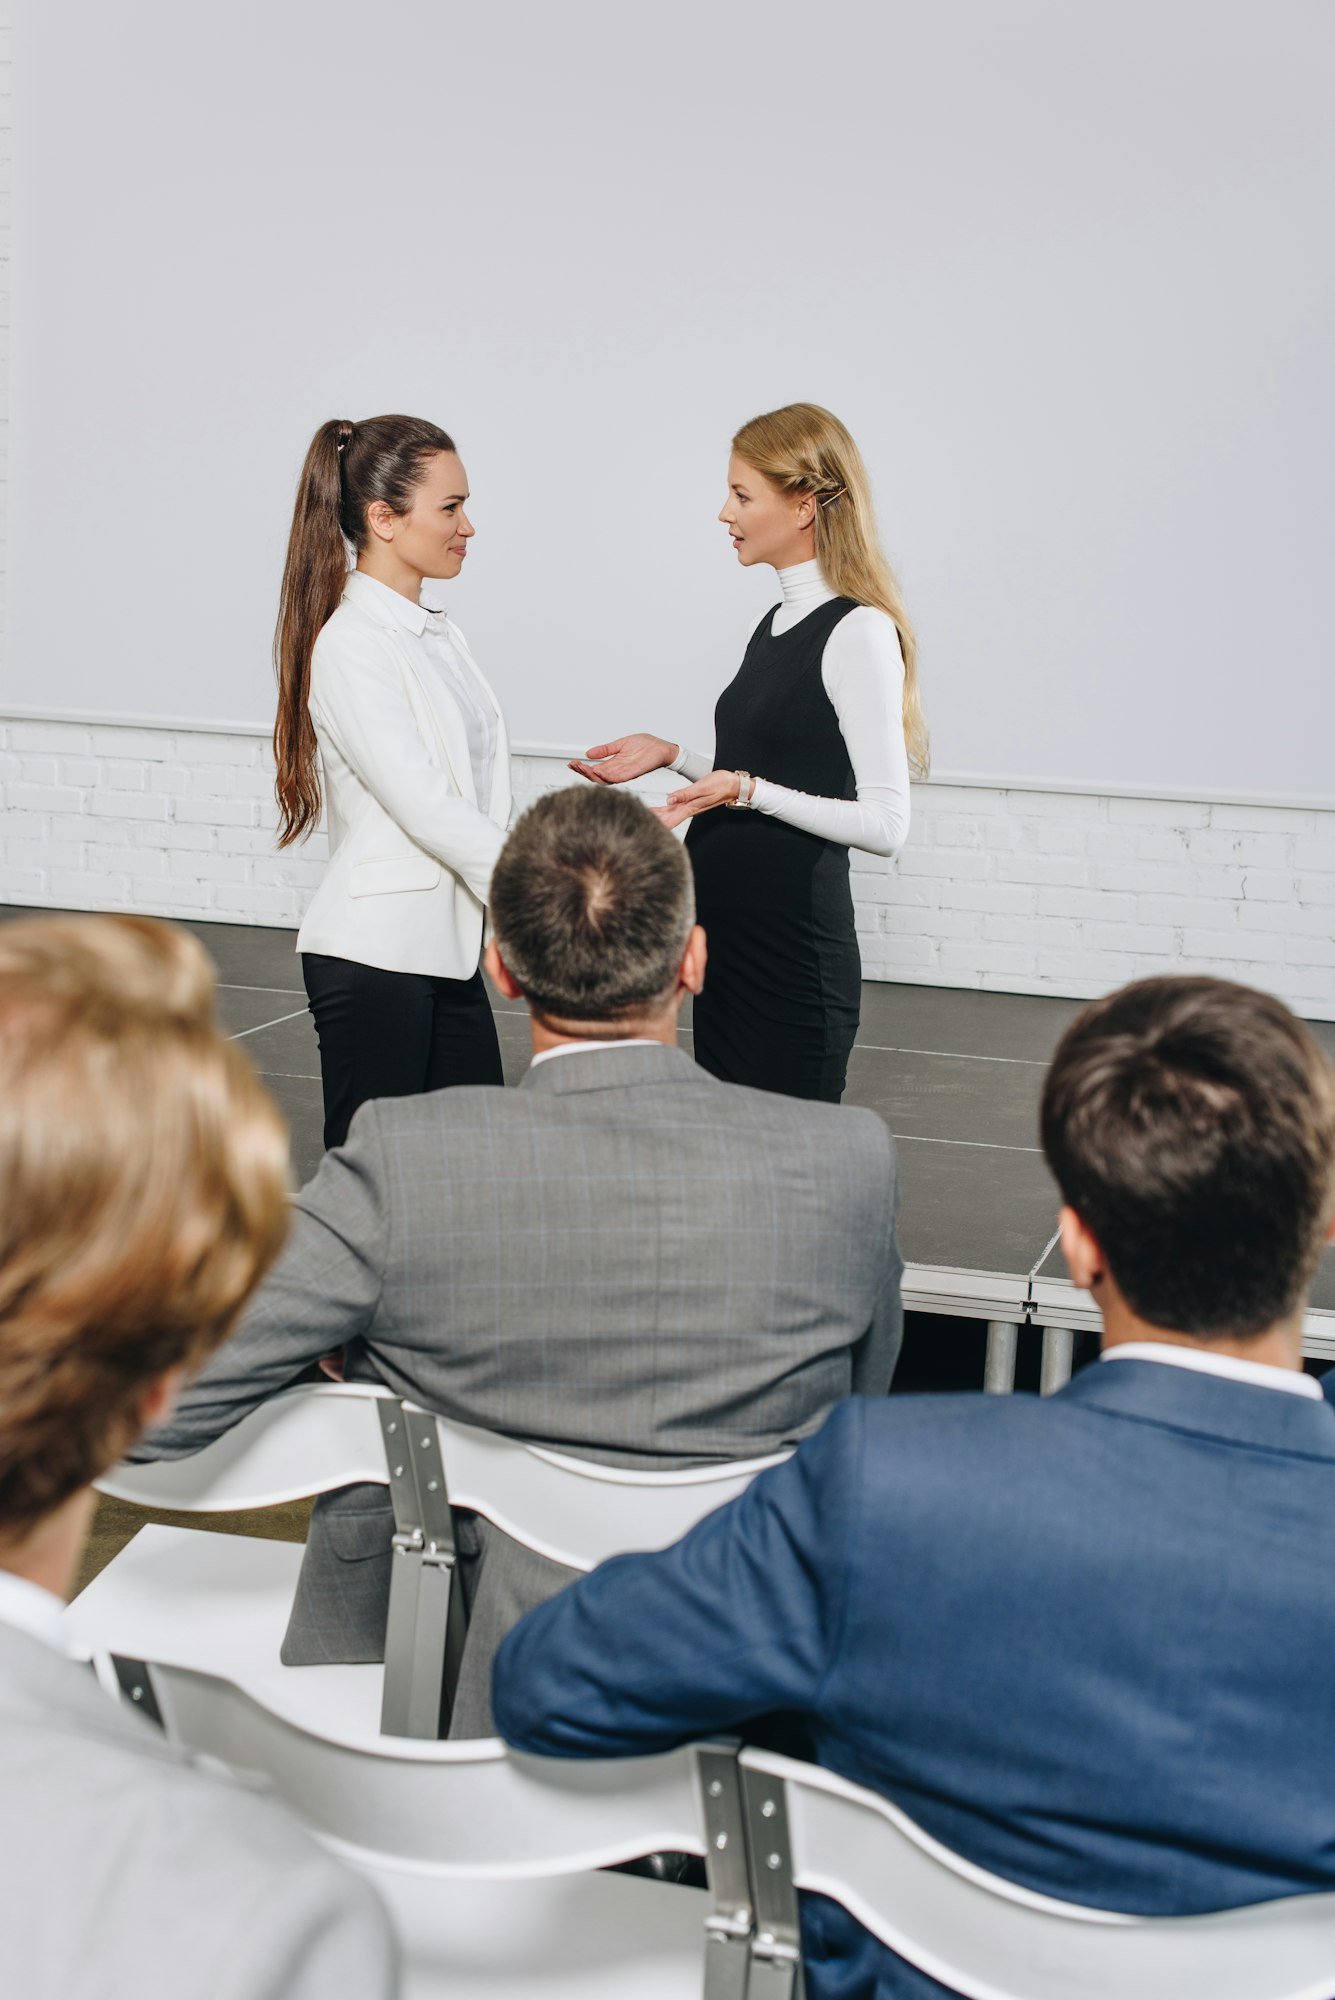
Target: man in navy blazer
(1084,1642)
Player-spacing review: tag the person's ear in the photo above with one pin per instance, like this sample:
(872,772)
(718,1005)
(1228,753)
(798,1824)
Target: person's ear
(806,510)
(159,1398)
(500,974)
(1084,1259)
(381,520)
(692,973)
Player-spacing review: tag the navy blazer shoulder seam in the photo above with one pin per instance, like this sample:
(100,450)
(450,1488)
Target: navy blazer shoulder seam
(1201,1431)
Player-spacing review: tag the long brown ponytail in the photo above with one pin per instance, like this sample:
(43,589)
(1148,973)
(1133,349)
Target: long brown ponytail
(349,466)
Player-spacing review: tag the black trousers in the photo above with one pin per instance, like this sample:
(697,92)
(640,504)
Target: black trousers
(395,1034)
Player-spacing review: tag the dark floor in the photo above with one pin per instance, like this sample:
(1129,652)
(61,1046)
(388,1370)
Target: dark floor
(955,1074)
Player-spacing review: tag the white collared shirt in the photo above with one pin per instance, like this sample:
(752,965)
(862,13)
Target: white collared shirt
(577,1048)
(431,624)
(32,1609)
(1261,1374)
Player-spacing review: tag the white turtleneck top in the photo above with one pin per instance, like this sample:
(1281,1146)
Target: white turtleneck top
(862,671)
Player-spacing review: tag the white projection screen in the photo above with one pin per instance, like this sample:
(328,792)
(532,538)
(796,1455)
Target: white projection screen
(1065,269)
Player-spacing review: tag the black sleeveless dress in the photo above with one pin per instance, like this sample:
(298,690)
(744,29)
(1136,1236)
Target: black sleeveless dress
(783,985)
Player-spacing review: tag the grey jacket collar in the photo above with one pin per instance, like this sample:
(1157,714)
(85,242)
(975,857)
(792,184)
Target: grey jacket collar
(39,1684)
(613,1069)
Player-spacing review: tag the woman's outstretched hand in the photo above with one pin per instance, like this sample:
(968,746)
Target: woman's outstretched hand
(625,757)
(720,788)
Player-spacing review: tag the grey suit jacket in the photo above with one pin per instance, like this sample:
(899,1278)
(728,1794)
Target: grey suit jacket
(623,1258)
(129,1872)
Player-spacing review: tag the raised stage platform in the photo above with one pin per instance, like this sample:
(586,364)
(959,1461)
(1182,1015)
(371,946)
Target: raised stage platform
(956,1076)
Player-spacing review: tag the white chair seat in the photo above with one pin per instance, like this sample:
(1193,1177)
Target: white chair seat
(219,1604)
(584,1937)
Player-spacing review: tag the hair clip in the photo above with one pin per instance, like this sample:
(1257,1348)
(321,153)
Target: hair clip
(838,494)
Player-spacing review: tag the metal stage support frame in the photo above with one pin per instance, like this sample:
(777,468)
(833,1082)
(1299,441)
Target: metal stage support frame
(1009,1301)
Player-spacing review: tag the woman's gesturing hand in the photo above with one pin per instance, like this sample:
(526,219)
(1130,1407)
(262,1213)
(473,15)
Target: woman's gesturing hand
(625,757)
(720,788)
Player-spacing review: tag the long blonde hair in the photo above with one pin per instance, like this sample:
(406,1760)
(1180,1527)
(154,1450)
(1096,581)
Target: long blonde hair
(805,449)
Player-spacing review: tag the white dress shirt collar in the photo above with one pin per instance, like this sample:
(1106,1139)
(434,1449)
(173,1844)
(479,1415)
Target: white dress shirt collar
(32,1609)
(1261,1374)
(578,1048)
(389,606)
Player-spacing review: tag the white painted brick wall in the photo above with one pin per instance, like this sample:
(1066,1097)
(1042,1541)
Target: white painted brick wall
(1011,890)
(173,822)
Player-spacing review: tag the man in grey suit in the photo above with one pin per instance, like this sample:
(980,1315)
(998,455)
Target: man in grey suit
(622,1258)
(144,1174)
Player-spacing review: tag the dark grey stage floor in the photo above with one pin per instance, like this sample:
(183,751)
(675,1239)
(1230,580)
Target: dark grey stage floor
(955,1074)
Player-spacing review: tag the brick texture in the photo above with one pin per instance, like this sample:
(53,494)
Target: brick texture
(1010,890)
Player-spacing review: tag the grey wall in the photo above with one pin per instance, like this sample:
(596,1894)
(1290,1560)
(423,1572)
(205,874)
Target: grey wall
(1065,270)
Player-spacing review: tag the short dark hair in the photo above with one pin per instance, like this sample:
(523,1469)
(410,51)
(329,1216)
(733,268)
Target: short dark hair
(593,901)
(1190,1123)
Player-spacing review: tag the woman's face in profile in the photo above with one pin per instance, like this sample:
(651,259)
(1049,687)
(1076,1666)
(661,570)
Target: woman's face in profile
(434,534)
(765,524)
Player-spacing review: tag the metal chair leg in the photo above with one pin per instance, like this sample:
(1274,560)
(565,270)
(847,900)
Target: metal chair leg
(405,1578)
(441,1627)
(730,1924)
(431,1698)
(776,1948)
(427,1623)
(405,1575)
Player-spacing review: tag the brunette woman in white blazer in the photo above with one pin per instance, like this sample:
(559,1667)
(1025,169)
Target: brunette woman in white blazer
(385,719)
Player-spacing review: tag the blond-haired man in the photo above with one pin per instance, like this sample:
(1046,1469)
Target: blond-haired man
(143,1174)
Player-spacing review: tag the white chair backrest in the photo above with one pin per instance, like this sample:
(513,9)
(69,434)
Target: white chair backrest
(305,1441)
(572,1510)
(992,1940)
(471,1810)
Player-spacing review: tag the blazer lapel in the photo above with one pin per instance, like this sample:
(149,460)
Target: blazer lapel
(437,717)
(440,722)
(502,799)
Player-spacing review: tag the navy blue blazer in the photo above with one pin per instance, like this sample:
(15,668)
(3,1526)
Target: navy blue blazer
(1085,1641)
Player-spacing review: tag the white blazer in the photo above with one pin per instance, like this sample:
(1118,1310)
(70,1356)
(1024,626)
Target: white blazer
(410,851)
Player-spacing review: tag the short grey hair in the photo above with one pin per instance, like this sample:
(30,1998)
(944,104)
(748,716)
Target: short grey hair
(592,901)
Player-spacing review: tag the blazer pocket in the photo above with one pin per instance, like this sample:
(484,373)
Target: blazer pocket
(356,1535)
(394,875)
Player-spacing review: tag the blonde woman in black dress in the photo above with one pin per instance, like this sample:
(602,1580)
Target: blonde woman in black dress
(815,741)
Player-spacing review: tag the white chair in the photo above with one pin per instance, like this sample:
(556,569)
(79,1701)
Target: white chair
(487,1860)
(220,1602)
(567,1509)
(987,1938)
